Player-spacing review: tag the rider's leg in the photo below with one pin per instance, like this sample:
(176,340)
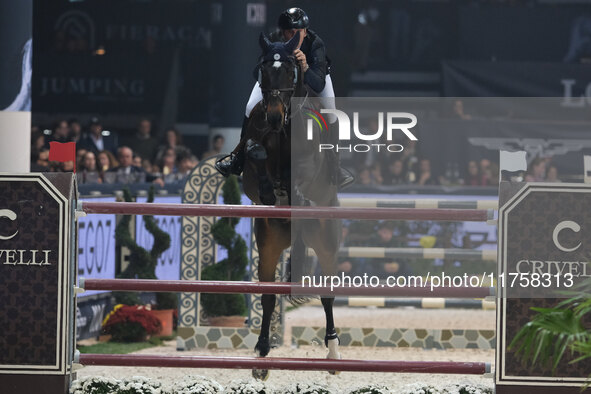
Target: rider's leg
(327,98)
(235,163)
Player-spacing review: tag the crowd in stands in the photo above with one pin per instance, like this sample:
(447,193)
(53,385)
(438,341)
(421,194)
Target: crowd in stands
(104,157)
(410,168)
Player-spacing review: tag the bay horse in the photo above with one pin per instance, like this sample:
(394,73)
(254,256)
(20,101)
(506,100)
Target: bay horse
(269,179)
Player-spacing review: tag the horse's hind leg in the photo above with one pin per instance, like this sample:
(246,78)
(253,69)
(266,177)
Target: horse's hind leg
(331,339)
(326,245)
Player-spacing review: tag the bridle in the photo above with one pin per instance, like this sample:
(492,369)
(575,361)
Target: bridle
(277,92)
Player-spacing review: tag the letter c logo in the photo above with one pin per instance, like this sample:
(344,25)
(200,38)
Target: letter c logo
(7,213)
(566,224)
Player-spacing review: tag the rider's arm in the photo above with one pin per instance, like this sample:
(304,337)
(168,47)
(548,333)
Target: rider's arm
(315,76)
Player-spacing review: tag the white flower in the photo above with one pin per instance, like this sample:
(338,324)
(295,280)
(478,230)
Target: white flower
(371,389)
(248,387)
(305,388)
(197,385)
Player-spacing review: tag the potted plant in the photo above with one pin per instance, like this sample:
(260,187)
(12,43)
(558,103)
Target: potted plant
(142,265)
(132,324)
(227,309)
(555,332)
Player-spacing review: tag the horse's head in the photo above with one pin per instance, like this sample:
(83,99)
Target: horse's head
(279,76)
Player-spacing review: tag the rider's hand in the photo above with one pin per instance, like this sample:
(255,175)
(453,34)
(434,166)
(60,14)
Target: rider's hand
(301,58)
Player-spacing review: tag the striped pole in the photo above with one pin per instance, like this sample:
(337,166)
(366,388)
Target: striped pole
(300,364)
(418,203)
(422,303)
(265,211)
(424,253)
(222,287)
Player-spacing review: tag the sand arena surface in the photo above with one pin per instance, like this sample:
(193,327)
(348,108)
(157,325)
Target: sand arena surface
(344,316)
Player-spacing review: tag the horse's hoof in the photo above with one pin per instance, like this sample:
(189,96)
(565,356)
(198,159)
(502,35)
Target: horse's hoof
(261,374)
(263,347)
(332,342)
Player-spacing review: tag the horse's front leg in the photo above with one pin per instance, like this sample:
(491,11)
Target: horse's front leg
(263,346)
(258,155)
(272,238)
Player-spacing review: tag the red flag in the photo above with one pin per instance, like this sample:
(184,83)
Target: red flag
(63,152)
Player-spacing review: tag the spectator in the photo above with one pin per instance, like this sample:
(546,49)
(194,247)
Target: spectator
(475,177)
(536,171)
(60,132)
(137,161)
(106,161)
(88,169)
(186,164)
(174,140)
(217,146)
(37,144)
(552,174)
(395,174)
(425,176)
(364,177)
(376,173)
(493,172)
(66,166)
(410,160)
(37,141)
(97,141)
(40,160)
(126,172)
(75,130)
(384,237)
(168,162)
(485,170)
(80,152)
(143,144)
(147,166)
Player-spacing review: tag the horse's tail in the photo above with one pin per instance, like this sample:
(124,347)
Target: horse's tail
(298,266)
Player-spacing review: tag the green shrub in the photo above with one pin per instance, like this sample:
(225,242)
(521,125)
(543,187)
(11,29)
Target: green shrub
(232,268)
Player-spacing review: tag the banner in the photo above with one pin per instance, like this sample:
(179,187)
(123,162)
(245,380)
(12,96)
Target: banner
(93,60)
(572,82)
(96,246)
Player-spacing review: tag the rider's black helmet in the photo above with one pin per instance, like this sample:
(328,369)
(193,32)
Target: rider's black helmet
(293,18)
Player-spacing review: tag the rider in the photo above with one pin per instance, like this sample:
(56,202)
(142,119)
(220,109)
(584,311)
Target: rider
(311,55)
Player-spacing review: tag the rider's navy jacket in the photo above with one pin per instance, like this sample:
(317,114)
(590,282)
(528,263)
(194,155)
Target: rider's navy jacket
(318,63)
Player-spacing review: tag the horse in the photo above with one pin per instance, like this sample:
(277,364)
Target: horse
(269,179)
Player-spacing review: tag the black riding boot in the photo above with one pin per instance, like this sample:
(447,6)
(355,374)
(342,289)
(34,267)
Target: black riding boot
(234,162)
(344,177)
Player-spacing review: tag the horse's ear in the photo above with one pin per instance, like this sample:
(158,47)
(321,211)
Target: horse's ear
(293,43)
(264,42)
